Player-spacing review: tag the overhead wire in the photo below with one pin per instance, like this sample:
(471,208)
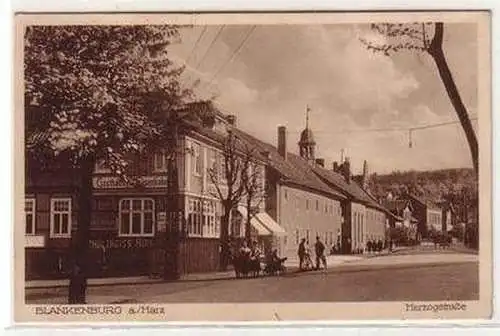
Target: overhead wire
(394,129)
(210,46)
(233,55)
(196,44)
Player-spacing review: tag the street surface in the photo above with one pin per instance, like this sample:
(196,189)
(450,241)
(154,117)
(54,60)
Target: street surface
(421,277)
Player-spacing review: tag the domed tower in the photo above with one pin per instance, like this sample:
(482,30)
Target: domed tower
(307,143)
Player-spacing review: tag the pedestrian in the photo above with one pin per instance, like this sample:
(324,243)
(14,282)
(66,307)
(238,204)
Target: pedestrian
(320,253)
(302,253)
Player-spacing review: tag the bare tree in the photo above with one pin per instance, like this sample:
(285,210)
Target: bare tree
(426,37)
(229,189)
(253,184)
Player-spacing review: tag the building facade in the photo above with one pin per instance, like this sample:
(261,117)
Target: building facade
(129,227)
(428,215)
(299,202)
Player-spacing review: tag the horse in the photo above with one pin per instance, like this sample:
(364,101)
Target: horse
(245,266)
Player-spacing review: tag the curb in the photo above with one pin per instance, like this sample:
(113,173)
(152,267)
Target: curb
(346,267)
(364,268)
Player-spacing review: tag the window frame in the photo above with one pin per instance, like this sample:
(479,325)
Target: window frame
(53,212)
(197,155)
(202,218)
(164,166)
(33,216)
(142,212)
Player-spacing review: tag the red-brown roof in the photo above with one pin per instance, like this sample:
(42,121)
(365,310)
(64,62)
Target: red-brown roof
(295,170)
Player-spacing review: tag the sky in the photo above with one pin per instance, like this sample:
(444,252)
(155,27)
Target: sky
(281,69)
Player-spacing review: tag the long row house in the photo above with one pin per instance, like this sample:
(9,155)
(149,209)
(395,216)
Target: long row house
(302,199)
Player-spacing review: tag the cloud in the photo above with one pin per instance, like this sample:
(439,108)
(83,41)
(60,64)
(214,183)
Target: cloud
(282,68)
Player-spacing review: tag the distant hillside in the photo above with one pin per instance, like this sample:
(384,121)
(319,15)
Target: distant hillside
(433,185)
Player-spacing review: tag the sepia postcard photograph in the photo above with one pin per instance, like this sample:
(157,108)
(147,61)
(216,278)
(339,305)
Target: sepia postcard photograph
(252,167)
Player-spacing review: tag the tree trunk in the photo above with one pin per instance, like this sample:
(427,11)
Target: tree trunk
(172,269)
(436,51)
(80,241)
(224,240)
(248,233)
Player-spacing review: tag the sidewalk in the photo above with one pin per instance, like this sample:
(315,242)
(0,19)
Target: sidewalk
(142,280)
(340,262)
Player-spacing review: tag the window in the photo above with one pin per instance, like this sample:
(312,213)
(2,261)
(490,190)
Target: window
(60,217)
(136,217)
(198,159)
(222,165)
(307,236)
(317,205)
(326,208)
(29,211)
(160,162)
(214,166)
(203,219)
(297,236)
(307,204)
(286,194)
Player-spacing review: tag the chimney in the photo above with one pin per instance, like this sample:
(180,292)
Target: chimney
(320,162)
(364,181)
(335,166)
(282,141)
(231,119)
(347,170)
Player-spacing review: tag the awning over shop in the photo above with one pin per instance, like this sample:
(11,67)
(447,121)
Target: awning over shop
(261,229)
(257,225)
(270,224)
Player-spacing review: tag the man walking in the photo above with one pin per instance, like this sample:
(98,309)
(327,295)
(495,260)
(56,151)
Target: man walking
(320,253)
(302,253)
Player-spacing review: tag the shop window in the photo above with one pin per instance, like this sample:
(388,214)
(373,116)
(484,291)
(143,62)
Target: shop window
(136,217)
(29,212)
(60,217)
(160,162)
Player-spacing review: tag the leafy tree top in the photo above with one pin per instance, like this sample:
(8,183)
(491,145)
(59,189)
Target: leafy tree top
(100,90)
